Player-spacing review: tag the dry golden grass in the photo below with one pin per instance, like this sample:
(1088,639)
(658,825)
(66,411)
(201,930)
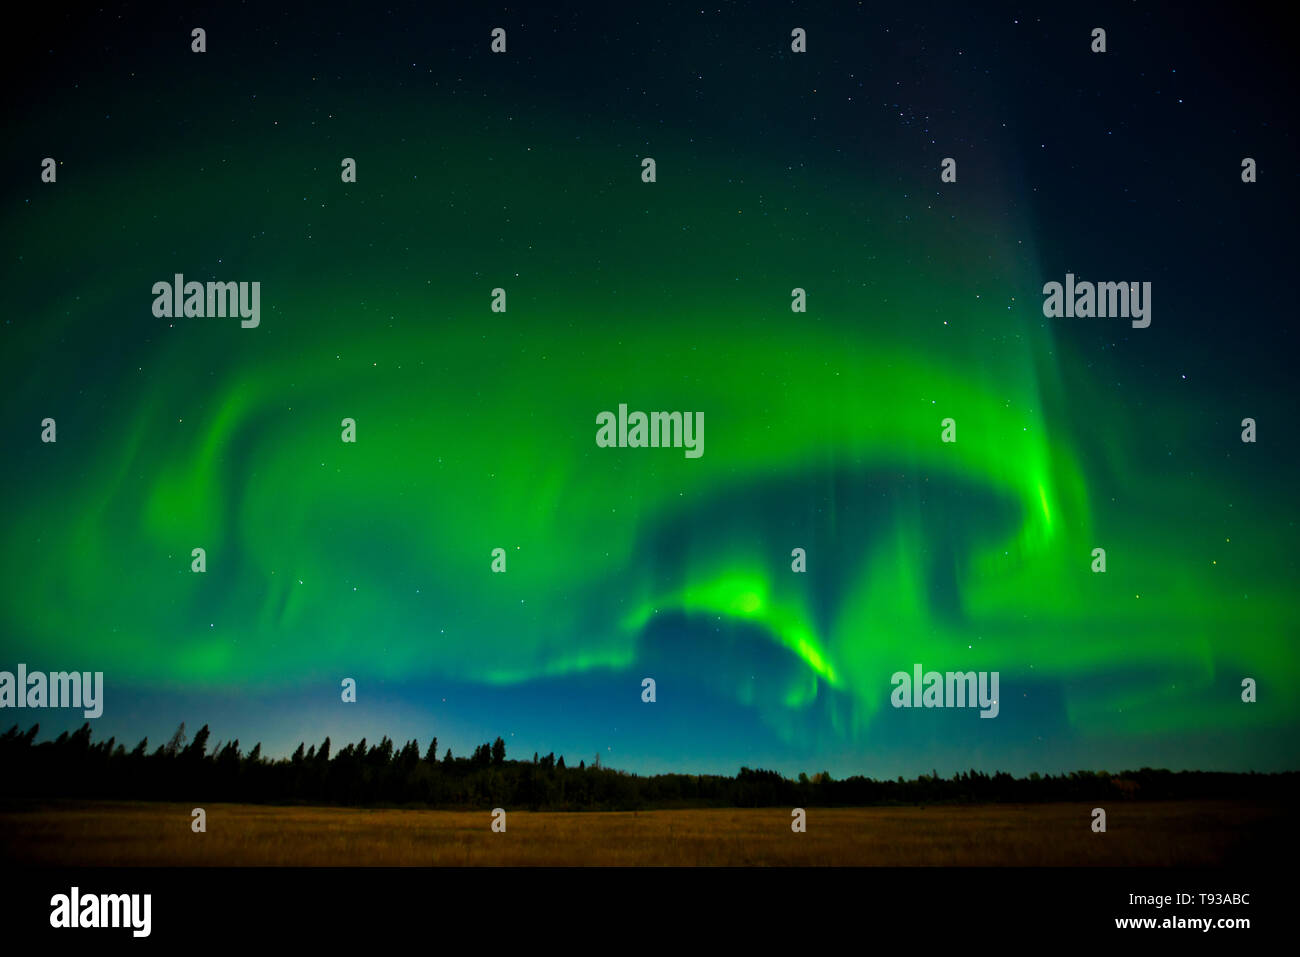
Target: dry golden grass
(1185,833)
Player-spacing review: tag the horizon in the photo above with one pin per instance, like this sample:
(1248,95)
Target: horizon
(464,753)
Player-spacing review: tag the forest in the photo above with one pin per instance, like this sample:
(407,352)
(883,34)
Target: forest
(385,775)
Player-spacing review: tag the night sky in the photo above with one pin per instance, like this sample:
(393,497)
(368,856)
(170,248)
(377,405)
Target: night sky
(476,429)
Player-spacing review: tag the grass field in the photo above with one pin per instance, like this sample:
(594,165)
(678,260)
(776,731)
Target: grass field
(1185,833)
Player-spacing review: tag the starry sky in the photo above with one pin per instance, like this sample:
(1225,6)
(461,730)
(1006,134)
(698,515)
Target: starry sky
(476,429)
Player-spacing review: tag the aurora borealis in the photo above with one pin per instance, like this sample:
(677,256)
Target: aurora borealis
(476,429)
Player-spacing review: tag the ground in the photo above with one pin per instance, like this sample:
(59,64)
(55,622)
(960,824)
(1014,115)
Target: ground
(1181,833)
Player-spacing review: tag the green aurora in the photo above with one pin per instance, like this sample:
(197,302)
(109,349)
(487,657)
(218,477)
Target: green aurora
(476,431)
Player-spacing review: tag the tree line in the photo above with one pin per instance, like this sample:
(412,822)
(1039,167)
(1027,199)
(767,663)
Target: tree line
(363,774)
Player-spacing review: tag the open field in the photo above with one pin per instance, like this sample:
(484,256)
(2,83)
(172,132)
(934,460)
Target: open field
(1183,833)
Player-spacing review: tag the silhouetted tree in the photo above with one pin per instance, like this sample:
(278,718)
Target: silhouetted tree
(199,745)
(177,742)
